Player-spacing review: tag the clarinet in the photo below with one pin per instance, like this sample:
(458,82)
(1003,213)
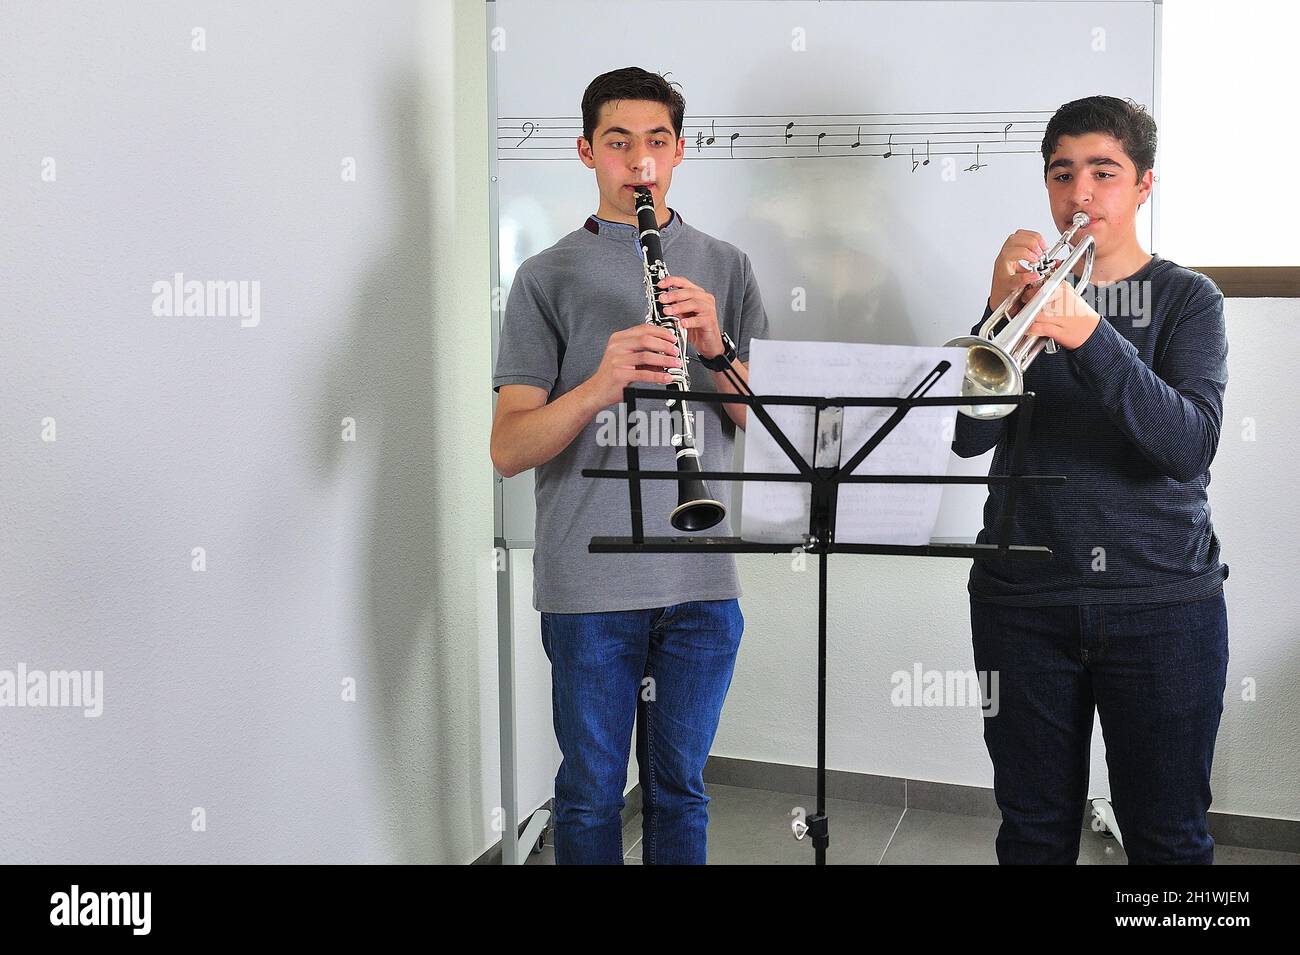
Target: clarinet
(696,509)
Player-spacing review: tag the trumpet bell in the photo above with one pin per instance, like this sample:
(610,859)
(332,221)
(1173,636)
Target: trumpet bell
(990,373)
(997,357)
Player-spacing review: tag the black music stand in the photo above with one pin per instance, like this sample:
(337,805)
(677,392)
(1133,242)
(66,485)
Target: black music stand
(825,479)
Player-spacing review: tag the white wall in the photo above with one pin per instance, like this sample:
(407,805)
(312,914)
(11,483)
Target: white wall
(326,560)
(1251,45)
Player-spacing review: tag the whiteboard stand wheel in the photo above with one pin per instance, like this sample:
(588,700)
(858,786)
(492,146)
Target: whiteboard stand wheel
(1103,819)
(1099,824)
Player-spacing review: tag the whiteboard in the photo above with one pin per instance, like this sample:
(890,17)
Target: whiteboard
(808,129)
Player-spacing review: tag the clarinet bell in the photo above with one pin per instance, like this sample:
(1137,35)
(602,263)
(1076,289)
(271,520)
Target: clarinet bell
(696,513)
(695,510)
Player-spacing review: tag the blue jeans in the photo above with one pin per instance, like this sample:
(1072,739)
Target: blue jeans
(1156,674)
(669,670)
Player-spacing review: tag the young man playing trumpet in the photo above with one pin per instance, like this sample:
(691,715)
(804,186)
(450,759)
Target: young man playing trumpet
(650,638)
(1128,617)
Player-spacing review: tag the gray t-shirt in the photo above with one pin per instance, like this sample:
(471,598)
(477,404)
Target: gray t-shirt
(565,303)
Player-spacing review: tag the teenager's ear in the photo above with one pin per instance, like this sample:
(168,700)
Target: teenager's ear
(1144,186)
(584,153)
(680,152)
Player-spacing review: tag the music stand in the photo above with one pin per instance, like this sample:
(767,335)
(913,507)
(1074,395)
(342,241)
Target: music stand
(825,475)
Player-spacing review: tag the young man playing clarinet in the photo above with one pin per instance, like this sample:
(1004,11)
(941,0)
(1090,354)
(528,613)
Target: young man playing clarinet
(649,639)
(1128,617)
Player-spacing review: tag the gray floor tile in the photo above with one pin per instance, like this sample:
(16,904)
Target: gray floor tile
(940,838)
(1096,849)
(1238,855)
(632,838)
(752,827)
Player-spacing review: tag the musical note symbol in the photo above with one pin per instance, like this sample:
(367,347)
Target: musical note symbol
(820,137)
(977,165)
(889,147)
(1005,130)
(734,137)
(529,128)
(789,135)
(859,142)
(713,128)
(915,163)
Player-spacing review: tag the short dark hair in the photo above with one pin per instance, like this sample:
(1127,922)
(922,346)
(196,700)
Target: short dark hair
(1130,124)
(631,82)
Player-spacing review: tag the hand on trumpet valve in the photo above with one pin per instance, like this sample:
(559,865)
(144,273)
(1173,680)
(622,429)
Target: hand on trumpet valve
(1014,266)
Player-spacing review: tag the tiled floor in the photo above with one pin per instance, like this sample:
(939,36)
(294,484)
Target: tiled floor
(752,827)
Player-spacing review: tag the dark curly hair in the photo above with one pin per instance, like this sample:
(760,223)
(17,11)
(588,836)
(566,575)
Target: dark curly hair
(631,82)
(1130,124)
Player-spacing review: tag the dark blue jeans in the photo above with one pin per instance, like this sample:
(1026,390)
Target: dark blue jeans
(1156,674)
(667,669)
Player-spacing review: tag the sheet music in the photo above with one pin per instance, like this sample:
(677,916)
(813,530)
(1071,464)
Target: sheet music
(919,444)
(915,138)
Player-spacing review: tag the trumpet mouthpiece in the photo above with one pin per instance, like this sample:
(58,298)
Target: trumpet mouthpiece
(1080,219)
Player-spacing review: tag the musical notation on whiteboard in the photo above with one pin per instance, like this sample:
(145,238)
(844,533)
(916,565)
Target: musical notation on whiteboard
(977,136)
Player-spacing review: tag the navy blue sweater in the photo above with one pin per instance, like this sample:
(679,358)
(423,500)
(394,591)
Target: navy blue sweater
(1131,417)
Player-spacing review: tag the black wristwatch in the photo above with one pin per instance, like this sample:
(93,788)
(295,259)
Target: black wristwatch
(723,361)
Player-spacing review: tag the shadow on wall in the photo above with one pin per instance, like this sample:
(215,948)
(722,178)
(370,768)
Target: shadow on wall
(421,717)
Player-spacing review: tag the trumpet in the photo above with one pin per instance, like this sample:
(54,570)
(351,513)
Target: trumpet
(997,357)
(696,509)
